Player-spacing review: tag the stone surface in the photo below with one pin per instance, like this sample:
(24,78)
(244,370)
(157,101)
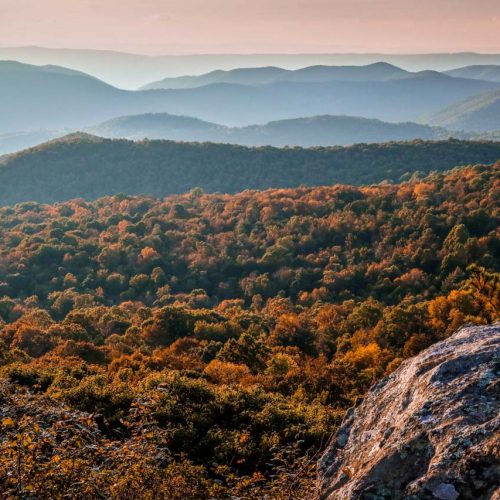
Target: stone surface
(431,430)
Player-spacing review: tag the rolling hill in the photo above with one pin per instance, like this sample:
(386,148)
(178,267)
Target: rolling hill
(312,131)
(85,166)
(332,130)
(479,113)
(160,126)
(305,132)
(262,76)
(487,72)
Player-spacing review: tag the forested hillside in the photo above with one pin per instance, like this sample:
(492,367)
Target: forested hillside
(83,166)
(206,345)
(478,113)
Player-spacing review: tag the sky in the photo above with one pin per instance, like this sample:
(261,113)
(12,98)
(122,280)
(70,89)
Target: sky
(254,26)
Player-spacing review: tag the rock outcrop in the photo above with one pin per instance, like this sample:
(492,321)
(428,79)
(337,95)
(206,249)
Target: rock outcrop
(430,430)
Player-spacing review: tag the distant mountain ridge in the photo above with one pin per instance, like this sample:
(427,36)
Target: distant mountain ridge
(160,126)
(16,66)
(489,72)
(376,72)
(325,130)
(61,99)
(306,132)
(263,76)
(89,167)
(131,71)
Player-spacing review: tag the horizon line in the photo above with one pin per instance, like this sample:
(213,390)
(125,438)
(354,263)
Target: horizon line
(312,53)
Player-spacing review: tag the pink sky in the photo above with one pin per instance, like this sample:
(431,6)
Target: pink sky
(242,26)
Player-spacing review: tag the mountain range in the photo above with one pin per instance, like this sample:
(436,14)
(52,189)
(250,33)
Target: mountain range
(52,98)
(376,72)
(262,76)
(379,71)
(89,167)
(312,131)
(131,71)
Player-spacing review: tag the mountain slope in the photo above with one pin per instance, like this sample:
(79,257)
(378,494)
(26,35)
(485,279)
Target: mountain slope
(490,73)
(479,113)
(35,98)
(84,166)
(7,67)
(261,76)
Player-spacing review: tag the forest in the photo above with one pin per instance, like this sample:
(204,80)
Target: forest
(207,345)
(90,167)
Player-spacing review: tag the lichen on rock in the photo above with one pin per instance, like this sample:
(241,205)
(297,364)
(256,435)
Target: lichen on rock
(430,430)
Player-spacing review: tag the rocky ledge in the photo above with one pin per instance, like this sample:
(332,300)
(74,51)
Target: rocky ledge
(430,430)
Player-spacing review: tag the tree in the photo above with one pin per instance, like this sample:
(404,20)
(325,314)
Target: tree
(222,372)
(485,287)
(171,323)
(294,330)
(455,248)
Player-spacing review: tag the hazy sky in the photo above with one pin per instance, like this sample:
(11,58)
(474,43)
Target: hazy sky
(236,26)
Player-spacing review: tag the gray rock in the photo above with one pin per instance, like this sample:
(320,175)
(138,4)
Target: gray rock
(430,430)
(445,491)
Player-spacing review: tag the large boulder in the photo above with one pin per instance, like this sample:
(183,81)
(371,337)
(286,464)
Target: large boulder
(430,430)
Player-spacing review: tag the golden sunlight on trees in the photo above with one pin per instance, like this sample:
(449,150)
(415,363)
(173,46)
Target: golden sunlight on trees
(207,346)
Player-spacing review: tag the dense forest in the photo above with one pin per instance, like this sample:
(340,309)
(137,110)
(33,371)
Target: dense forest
(206,345)
(83,166)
